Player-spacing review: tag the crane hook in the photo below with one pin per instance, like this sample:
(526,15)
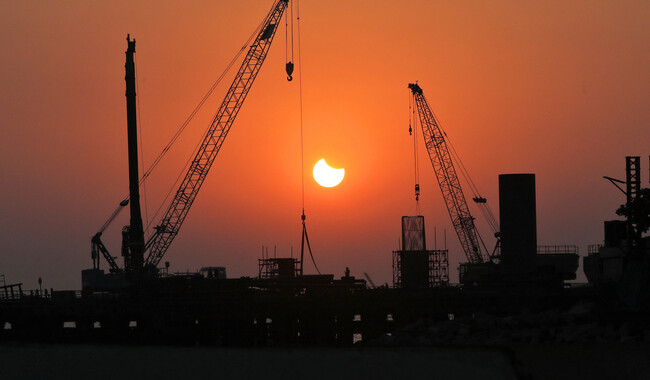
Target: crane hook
(289,68)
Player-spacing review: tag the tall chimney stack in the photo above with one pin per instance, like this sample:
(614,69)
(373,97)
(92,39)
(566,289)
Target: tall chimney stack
(518,221)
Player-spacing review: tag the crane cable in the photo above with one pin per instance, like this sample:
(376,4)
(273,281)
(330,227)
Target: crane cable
(481,201)
(485,210)
(182,172)
(176,135)
(289,62)
(140,138)
(305,237)
(463,170)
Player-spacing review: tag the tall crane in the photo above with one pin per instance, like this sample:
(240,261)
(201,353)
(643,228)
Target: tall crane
(452,192)
(171,222)
(168,228)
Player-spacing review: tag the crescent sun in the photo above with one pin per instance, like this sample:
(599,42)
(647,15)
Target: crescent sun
(327,176)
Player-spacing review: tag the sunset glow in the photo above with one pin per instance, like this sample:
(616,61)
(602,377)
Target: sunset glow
(559,89)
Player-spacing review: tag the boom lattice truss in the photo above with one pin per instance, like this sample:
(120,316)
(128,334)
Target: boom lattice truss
(452,192)
(167,230)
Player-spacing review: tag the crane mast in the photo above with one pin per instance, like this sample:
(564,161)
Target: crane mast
(171,222)
(133,234)
(133,246)
(452,192)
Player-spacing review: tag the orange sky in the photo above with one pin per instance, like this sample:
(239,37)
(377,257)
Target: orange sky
(556,88)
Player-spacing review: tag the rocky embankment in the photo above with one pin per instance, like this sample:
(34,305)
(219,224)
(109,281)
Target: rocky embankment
(580,324)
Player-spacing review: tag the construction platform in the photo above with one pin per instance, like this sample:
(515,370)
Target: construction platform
(303,311)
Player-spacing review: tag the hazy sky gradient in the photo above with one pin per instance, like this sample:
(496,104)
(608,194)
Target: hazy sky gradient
(555,88)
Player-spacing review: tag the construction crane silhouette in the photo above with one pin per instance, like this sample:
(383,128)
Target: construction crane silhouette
(171,222)
(452,192)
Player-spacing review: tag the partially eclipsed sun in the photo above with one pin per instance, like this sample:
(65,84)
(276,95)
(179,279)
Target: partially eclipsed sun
(327,176)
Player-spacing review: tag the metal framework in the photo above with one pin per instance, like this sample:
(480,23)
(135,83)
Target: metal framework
(452,192)
(171,222)
(633,187)
(557,249)
(632,177)
(97,246)
(438,267)
(278,267)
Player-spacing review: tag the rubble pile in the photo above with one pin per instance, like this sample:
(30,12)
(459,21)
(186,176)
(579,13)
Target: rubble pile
(576,325)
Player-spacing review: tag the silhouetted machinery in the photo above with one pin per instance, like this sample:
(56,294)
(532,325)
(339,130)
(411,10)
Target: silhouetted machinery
(478,259)
(133,244)
(516,252)
(622,263)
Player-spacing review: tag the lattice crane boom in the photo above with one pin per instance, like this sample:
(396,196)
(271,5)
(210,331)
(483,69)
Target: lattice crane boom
(171,222)
(452,192)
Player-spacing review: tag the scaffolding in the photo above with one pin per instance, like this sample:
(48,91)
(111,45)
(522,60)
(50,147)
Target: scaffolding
(278,267)
(11,291)
(557,249)
(420,269)
(415,267)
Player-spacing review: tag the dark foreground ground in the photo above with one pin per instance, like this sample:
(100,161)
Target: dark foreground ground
(556,361)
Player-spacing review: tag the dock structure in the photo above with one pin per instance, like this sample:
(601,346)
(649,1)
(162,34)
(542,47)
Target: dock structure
(250,312)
